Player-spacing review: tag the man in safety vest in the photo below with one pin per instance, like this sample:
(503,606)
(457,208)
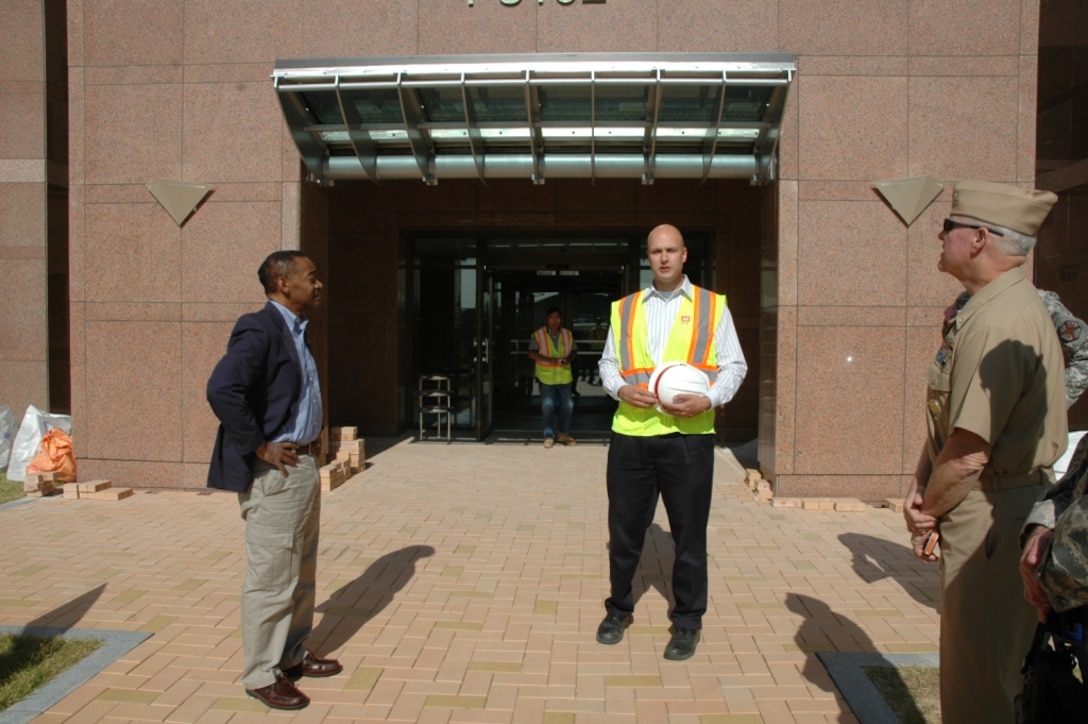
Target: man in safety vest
(662,448)
(551,347)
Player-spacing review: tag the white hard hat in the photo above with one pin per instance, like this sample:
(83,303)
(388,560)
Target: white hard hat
(678,378)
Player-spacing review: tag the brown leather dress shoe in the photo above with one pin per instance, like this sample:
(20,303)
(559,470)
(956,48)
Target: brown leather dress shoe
(280,695)
(313,666)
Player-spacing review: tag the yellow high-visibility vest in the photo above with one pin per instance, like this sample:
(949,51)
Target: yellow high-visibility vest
(551,372)
(691,340)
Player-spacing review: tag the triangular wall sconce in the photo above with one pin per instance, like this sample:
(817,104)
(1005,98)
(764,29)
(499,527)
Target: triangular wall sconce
(909,197)
(179,199)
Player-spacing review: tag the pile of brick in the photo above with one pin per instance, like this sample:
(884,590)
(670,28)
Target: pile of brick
(349,457)
(334,475)
(762,490)
(837,504)
(40,485)
(345,444)
(95,490)
(896,504)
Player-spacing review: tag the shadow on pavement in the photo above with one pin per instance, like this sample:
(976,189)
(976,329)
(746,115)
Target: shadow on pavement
(655,566)
(876,558)
(67,615)
(824,633)
(349,608)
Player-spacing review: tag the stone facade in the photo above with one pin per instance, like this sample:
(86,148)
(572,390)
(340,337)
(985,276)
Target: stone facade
(841,311)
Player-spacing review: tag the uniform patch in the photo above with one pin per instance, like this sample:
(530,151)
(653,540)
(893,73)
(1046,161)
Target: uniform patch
(1069,331)
(942,354)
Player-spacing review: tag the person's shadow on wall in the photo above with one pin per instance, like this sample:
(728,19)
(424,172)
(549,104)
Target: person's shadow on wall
(351,606)
(875,559)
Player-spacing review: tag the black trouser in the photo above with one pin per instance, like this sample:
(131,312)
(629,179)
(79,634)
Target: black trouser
(681,469)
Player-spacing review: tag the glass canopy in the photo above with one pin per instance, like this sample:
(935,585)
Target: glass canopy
(595,115)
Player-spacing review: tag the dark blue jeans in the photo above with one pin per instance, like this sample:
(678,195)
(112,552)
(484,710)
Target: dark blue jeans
(556,398)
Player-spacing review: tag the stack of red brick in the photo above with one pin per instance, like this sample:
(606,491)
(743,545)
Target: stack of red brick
(762,490)
(38,485)
(348,453)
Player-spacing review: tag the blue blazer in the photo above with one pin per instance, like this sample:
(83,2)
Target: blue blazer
(254,391)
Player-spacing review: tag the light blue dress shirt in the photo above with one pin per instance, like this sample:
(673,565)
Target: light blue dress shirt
(305,426)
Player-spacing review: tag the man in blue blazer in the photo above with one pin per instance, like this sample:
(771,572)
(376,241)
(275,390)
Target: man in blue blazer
(267,396)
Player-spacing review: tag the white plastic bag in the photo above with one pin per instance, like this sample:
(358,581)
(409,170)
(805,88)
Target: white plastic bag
(29,439)
(7,434)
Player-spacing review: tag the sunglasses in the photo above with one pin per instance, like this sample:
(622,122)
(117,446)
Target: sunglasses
(950,225)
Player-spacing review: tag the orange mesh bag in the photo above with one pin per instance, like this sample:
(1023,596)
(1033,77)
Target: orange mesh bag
(56,457)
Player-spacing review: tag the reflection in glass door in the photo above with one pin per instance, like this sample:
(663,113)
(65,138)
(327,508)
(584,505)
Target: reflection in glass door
(446,336)
(485,358)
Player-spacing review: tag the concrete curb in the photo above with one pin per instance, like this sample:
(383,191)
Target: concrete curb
(846,671)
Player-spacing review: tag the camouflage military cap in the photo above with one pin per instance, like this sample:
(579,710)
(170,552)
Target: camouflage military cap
(1064,573)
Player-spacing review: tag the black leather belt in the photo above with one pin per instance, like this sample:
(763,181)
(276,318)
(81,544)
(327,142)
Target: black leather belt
(311,448)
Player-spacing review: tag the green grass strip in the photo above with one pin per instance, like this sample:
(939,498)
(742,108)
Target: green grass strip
(911,692)
(29,662)
(9,490)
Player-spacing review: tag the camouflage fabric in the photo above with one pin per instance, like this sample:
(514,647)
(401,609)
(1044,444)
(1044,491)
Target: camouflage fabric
(1064,572)
(1073,335)
(1074,339)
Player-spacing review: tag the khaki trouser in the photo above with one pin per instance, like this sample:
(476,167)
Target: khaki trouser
(282,516)
(986,625)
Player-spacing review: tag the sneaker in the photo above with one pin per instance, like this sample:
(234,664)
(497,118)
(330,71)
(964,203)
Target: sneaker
(565,439)
(548,442)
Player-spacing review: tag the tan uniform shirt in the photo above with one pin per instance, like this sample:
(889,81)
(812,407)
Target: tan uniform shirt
(988,378)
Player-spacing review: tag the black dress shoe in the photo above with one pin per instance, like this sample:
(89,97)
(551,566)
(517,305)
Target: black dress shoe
(682,644)
(314,667)
(280,695)
(611,629)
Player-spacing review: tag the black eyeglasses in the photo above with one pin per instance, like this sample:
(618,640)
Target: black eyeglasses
(950,225)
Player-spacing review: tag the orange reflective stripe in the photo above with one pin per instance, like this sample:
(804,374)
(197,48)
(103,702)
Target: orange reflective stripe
(544,346)
(542,349)
(705,314)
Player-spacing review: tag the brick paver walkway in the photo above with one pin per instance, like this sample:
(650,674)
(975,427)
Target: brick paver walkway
(464,583)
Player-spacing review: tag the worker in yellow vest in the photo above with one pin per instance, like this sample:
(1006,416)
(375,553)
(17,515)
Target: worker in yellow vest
(664,448)
(552,347)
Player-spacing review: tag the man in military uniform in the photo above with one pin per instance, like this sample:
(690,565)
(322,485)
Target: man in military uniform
(996,424)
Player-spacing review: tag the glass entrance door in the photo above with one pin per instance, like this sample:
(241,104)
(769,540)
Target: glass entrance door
(474,301)
(523,299)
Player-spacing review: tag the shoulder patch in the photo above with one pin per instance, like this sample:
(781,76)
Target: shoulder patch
(1069,331)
